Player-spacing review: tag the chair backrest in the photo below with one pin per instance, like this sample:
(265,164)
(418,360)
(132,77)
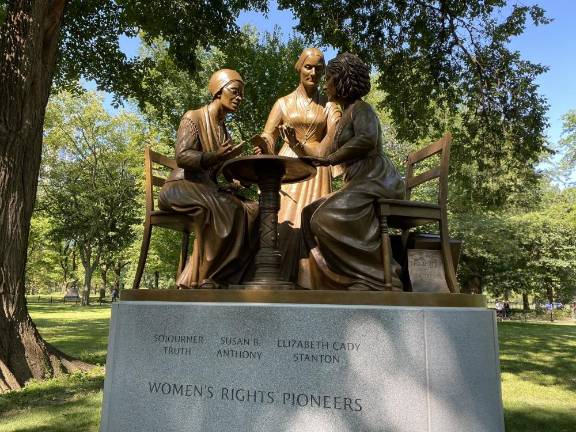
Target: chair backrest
(152,158)
(440,147)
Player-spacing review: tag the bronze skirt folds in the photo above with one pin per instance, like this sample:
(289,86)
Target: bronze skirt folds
(225,231)
(293,198)
(341,231)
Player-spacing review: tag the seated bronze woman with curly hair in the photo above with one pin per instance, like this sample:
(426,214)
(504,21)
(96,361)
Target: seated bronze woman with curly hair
(341,231)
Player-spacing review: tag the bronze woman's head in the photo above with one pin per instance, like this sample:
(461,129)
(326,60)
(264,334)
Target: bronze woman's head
(347,78)
(228,86)
(310,65)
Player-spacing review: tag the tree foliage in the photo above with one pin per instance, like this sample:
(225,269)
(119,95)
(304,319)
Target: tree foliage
(446,65)
(45,256)
(563,163)
(264,61)
(91,30)
(443,65)
(524,252)
(88,189)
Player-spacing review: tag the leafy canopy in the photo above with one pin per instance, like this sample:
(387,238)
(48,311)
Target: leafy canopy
(91,30)
(446,65)
(442,65)
(264,61)
(88,190)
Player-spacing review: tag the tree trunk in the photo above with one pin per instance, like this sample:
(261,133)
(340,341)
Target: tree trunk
(473,285)
(525,302)
(86,254)
(117,276)
(104,274)
(87,286)
(28,46)
(63,260)
(117,268)
(550,296)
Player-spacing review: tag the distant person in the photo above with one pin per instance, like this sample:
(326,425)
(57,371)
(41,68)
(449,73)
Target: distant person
(499,309)
(115,294)
(507,310)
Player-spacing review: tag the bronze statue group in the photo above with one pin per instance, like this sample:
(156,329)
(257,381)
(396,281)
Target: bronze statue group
(328,240)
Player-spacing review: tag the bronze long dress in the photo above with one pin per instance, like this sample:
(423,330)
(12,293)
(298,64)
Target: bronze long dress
(225,225)
(314,121)
(341,231)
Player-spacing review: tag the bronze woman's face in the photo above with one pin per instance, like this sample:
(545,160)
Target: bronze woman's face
(311,71)
(232,95)
(330,88)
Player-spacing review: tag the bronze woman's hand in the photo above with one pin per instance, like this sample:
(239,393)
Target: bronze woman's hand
(260,145)
(223,152)
(231,187)
(288,134)
(227,150)
(316,161)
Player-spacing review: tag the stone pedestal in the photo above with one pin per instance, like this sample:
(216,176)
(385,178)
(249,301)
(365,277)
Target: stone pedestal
(251,361)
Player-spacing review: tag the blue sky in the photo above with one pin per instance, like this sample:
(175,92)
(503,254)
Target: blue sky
(553,45)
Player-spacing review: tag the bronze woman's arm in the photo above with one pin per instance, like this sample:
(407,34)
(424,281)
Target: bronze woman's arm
(189,154)
(334,114)
(275,119)
(366,133)
(332,121)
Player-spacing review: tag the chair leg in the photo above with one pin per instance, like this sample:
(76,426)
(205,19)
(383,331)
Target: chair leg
(183,253)
(143,255)
(405,276)
(451,279)
(386,251)
(405,236)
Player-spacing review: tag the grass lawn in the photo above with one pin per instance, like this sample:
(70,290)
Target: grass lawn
(538,362)
(70,403)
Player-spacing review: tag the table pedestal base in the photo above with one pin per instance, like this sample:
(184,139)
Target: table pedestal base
(269,172)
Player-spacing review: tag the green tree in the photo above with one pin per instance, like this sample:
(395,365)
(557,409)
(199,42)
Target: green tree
(43,267)
(446,65)
(264,60)
(547,238)
(528,252)
(88,190)
(563,162)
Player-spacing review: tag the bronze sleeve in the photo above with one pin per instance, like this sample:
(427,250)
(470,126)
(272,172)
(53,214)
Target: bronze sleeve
(188,146)
(270,133)
(366,130)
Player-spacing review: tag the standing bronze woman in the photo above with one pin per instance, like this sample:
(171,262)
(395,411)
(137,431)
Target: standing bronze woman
(313,120)
(341,231)
(224,223)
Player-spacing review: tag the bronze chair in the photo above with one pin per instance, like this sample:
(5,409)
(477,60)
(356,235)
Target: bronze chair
(406,214)
(170,220)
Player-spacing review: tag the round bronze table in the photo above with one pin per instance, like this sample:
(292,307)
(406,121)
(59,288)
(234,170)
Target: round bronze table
(268,172)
